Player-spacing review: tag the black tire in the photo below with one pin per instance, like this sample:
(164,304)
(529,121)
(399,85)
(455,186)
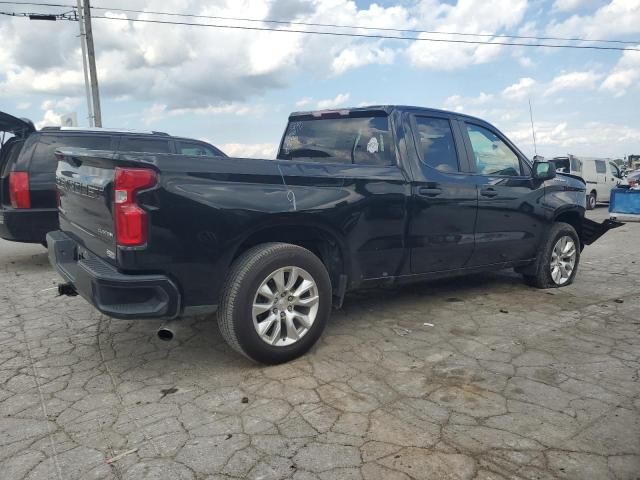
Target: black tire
(541,273)
(235,317)
(592,200)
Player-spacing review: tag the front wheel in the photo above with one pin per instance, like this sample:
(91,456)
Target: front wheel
(276,303)
(557,263)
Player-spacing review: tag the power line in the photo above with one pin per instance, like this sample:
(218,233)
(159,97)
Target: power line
(363,35)
(385,29)
(331,25)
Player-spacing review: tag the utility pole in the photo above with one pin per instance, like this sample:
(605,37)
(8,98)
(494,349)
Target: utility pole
(91,58)
(85,69)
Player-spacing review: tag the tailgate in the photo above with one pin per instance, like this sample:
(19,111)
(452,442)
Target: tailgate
(85,186)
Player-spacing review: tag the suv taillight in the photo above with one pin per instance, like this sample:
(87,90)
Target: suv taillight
(19,190)
(130,220)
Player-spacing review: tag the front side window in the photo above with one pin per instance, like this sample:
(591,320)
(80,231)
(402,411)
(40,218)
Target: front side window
(492,155)
(576,165)
(44,159)
(601,167)
(358,141)
(615,171)
(436,147)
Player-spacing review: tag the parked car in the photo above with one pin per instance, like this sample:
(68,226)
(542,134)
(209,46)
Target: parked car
(600,175)
(356,198)
(28,205)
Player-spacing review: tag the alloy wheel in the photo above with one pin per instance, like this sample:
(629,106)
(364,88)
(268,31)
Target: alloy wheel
(563,260)
(285,306)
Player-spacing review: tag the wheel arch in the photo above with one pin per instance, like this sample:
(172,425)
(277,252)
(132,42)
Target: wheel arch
(321,240)
(575,218)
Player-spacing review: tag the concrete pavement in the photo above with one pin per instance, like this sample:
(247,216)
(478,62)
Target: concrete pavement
(510,382)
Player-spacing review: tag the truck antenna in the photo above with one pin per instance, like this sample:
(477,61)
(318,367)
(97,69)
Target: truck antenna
(533,130)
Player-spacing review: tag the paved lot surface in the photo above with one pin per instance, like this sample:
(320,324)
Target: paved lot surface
(509,382)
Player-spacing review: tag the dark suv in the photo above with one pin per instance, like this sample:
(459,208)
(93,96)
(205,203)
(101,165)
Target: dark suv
(28,204)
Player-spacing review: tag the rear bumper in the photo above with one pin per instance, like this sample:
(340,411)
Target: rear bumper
(29,225)
(113,293)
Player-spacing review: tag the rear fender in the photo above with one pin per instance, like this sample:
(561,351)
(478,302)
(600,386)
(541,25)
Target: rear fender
(592,231)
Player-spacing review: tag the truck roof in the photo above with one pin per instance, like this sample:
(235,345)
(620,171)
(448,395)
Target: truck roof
(103,130)
(388,109)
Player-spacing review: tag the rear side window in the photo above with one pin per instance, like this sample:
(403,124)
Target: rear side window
(146,145)
(601,166)
(358,141)
(197,149)
(44,159)
(436,146)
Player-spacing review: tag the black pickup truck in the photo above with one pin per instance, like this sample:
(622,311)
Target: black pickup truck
(356,198)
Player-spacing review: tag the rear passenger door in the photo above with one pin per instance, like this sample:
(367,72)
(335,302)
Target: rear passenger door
(444,198)
(510,220)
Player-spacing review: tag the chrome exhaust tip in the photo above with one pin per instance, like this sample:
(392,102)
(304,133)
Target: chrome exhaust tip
(167,332)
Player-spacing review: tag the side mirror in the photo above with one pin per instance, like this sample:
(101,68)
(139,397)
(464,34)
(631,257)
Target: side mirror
(544,170)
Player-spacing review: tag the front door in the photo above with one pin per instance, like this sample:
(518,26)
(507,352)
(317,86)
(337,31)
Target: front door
(444,199)
(509,221)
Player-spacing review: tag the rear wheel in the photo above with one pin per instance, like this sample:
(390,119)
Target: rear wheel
(557,263)
(592,200)
(276,303)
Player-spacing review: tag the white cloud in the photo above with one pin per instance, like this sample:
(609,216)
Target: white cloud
(185,67)
(360,55)
(66,104)
(161,111)
(573,81)
(570,5)
(49,119)
(616,18)
(303,102)
(338,101)
(459,103)
(592,138)
(520,90)
(625,75)
(466,16)
(250,150)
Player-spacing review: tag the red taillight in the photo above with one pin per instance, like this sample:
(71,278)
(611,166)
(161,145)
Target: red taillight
(131,220)
(19,190)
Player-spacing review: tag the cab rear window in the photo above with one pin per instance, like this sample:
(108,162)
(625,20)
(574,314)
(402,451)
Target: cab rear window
(359,141)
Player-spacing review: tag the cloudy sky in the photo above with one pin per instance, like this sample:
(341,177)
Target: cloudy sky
(235,88)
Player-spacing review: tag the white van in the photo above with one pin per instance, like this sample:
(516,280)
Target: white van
(600,174)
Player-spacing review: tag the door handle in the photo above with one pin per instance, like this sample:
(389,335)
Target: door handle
(488,192)
(429,192)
